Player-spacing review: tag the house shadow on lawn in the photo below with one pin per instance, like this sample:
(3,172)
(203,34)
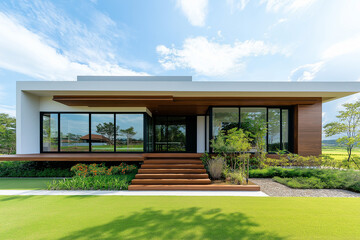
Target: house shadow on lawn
(187,223)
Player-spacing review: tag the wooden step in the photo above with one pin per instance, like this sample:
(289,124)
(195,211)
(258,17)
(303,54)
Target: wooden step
(210,187)
(170,181)
(172,155)
(173,161)
(159,171)
(171,166)
(172,176)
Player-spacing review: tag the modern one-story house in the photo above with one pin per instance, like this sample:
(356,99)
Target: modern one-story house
(167,114)
(111,118)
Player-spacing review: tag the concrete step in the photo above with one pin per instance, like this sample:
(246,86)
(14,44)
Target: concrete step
(172,166)
(210,187)
(172,176)
(159,171)
(170,181)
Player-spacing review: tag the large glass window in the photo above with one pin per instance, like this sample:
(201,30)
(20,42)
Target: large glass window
(252,119)
(285,129)
(74,132)
(129,132)
(176,134)
(224,119)
(273,129)
(50,132)
(102,133)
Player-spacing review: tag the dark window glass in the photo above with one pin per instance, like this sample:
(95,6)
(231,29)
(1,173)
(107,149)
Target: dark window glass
(161,134)
(285,129)
(176,134)
(102,132)
(50,132)
(74,132)
(252,119)
(129,132)
(224,119)
(273,129)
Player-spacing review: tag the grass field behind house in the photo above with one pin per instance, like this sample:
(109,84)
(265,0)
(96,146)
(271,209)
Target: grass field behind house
(338,153)
(166,217)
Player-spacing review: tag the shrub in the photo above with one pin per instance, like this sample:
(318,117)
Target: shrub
(32,169)
(236,177)
(94,169)
(216,166)
(102,182)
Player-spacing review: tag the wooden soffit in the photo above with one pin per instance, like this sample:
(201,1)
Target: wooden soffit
(168,104)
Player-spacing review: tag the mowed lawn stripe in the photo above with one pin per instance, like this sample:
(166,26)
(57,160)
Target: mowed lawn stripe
(119,217)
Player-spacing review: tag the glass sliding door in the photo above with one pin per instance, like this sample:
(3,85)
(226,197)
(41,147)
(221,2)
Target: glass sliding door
(176,134)
(74,132)
(224,119)
(274,130)
(252,119)
(129,132)
(50,132)
(102,133)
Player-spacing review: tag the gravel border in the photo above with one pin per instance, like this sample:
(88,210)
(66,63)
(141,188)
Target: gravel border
(275,189)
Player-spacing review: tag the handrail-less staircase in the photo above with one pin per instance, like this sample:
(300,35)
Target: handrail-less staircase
(170,172)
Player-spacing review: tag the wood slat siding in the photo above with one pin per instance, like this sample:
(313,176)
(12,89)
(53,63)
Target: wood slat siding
(307,129)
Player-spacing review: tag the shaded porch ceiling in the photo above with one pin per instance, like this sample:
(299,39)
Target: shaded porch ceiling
(168,104)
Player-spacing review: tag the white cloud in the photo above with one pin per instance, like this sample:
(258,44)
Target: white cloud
(194,10)
(286,5)
(237,4)
(306,72)
(210,58)
(26,52)
(350,45)
(8,110)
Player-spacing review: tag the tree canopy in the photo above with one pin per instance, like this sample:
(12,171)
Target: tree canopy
(7,134)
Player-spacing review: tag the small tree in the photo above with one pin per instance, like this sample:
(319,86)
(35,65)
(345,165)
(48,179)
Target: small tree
(7,134)
(348,125)
(107,130)
(128,133)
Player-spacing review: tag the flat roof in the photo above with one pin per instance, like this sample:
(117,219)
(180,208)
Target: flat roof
(183,86)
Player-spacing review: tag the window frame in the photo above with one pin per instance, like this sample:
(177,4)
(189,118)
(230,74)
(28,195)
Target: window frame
(89,113)
(290,123)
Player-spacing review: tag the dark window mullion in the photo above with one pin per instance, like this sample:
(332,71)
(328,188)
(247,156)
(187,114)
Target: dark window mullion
(114,132)
(89,132)
(59,140)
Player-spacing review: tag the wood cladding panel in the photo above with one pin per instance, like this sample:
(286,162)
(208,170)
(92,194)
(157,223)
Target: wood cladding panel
(307,130)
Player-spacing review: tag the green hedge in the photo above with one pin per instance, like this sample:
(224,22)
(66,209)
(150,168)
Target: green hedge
(32,169)
(103,182)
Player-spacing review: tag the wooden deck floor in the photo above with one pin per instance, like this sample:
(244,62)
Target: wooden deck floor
(93,157)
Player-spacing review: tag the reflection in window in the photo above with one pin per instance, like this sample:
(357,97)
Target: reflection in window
(102,133)
(253,119)
(176,134)
(224,119)
(285,129)
(273,129)
(73,131)
(50,132)
(129,132)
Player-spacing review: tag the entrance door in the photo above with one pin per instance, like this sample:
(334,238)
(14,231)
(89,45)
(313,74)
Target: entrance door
(175,134)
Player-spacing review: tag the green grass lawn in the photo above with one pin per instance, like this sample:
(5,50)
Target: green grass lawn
(24,183)
(159,217)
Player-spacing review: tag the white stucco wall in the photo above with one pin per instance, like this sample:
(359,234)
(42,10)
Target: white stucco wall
(27,123)
(200,142)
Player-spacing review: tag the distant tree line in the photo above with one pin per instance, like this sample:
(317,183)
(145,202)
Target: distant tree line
(7,134)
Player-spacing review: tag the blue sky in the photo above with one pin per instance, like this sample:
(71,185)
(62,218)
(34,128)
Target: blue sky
(259,40)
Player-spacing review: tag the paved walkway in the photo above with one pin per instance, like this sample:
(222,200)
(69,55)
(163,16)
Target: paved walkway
(133,193)
(275,189)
